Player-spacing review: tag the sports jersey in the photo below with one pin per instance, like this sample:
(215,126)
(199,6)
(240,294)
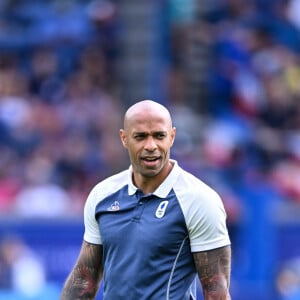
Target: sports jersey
(148,240)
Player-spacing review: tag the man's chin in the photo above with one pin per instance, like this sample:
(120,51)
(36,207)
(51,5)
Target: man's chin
(150,173)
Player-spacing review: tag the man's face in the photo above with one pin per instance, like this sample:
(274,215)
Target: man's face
(148,139)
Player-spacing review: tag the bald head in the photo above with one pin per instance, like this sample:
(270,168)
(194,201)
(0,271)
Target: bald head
(146,109)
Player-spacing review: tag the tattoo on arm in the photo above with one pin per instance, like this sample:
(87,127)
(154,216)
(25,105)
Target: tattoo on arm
(213,269)
(83,282)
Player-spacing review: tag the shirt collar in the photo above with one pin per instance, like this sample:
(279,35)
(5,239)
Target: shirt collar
(164,189)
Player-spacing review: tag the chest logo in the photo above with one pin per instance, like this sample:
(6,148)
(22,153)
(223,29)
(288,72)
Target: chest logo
(114,206)
(161,209)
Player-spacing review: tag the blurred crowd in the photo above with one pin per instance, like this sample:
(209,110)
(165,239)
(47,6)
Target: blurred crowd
(59,114)
(61,102)
(231,79)
(247,126)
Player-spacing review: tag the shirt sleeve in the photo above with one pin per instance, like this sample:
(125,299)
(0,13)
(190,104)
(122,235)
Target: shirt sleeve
(91,226)
(204,214)
(206,223)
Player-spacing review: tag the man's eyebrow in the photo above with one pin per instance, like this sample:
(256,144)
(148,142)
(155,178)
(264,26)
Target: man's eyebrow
(139,133)
(149,133)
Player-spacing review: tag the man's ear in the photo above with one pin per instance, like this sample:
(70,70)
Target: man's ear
(173,134)
(123,137)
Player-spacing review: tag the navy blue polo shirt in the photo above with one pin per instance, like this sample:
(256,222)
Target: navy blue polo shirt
(148,240)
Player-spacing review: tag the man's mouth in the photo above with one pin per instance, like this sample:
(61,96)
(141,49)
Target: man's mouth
(150,159)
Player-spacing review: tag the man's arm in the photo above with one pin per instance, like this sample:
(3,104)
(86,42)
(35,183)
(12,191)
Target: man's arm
(83,282)
(213,269)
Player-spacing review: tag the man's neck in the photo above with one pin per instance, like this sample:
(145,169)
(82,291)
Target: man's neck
(149,184)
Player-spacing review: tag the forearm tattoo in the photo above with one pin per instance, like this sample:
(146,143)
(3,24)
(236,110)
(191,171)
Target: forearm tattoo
(83,281)
(213,268)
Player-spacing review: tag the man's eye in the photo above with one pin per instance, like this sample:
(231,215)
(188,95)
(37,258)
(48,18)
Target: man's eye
(139,137)
(160,135)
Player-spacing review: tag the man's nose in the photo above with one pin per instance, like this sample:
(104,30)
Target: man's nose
(150,144)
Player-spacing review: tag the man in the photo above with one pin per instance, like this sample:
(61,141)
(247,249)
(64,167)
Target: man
(150,229)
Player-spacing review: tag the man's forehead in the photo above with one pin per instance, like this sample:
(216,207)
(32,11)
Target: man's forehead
(148,122)
(149,126)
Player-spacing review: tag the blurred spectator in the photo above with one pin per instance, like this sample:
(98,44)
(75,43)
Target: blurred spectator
(288,280)
(20,268)
(293,12)
(40,197)
(9,183)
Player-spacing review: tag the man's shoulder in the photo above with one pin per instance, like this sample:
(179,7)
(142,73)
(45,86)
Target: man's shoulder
(190,184)
(110,184)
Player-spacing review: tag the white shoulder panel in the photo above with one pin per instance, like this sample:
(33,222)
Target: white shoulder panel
(204,213)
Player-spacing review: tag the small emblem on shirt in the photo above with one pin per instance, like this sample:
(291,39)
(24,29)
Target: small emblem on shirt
(115,206)
(161,209)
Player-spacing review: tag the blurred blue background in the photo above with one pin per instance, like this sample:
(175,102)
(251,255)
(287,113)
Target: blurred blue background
(228,70)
